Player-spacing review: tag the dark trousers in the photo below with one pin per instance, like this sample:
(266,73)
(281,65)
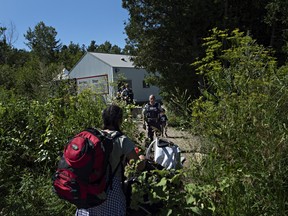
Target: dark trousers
(153,127)
(163,127)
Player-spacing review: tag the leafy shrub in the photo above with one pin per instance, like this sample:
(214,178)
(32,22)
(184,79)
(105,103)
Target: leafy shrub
(32,133)
(35,197)
(169,192)
(241,112)
(178,108)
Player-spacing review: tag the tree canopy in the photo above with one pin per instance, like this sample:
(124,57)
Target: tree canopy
(30,72)
(167,35)
(42,41)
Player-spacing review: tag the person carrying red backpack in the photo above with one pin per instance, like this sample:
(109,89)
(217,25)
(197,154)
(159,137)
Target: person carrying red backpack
(116,202)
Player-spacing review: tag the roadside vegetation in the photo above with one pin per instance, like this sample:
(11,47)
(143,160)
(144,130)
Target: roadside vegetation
(241,117)
(234,96)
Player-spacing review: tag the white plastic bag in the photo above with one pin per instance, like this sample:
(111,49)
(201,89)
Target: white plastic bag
(166,153)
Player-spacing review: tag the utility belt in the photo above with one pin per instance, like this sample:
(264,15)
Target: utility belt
(152,120)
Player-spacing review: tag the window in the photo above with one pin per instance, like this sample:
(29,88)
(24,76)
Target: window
(146,85)
(82,82)
(100,85)
(82,85)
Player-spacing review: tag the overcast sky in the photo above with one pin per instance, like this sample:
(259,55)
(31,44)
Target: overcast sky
(76,21)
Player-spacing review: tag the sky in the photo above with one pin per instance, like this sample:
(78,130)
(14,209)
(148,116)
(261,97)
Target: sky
(75,21)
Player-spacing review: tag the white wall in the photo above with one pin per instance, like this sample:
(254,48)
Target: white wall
(137,76)
(90,68)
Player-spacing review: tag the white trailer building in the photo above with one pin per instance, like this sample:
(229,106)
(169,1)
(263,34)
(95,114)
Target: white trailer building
(101,70)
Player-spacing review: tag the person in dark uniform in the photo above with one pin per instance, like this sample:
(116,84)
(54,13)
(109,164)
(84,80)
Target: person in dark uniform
(127,94)
(151,114)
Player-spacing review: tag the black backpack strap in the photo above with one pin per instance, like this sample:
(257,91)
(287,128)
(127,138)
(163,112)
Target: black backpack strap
(114,172)
(114,137)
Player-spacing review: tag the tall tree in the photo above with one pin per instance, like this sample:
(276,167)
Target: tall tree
(167,34)
(129,50)
(69,55)
(10,58)
(92,46)
(5,48)
(107,47)
(42,41)
(277,19)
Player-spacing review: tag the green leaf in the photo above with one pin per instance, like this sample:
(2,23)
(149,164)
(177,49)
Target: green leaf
(163,182)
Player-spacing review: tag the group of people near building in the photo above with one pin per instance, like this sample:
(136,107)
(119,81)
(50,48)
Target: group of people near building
(125,93)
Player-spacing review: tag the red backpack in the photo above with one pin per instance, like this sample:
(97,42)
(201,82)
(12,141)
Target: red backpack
(84,172)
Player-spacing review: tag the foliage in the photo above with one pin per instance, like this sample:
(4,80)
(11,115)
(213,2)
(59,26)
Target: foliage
(31,198)
(276,18)
(161,32)
(32,133)
(69,55)
(244,95)
(129,125)
(167,192)
(7,76)
(178,109)
(167,35)
(103,48)
(42,42)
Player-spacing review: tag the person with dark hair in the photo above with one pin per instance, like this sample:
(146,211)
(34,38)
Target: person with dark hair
(127,94)
(122,146)
(151,114)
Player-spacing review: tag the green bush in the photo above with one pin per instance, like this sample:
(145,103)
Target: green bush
(241,113)
(31,135)
(170,192)
(241,117)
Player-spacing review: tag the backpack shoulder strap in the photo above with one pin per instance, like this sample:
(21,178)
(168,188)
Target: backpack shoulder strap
(109,183)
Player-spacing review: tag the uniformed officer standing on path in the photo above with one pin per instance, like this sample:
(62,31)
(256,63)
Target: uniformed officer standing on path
(151,114)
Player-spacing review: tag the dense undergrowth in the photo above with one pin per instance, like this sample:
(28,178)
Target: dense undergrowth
(241,116)
(243,113)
